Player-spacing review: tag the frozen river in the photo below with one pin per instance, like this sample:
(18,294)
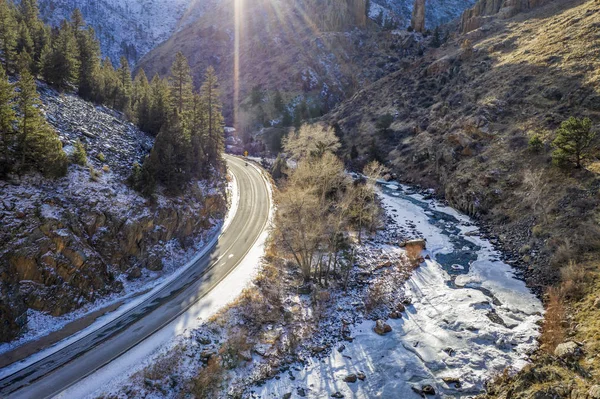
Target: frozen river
(470,318)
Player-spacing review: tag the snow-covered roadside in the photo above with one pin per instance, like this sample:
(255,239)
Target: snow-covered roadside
(112,376)
(41,324)
(470,318)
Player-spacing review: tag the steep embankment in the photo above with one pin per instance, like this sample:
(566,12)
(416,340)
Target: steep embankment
(68,242)
(462,118)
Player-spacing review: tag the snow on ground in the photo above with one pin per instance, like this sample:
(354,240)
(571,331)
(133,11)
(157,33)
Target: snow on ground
(112,376)
(469,329)
(40,324)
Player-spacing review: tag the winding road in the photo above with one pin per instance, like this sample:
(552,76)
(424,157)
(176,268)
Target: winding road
(58,371)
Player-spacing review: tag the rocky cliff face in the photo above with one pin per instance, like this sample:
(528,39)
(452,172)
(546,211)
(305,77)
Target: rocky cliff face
(483,10)
(398,13)
(71,241)
(418,16)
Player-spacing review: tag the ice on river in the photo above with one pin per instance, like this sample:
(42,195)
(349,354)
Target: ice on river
(471,329)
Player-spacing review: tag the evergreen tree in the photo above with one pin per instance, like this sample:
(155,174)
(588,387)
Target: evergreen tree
(29,14)
(125,85)
(8,34)
(160,104)
(79,155)
(573,141)
(39,145)
(143,101)
(168,161)
(89,64)
(198,135)
(61,64)
(77,21)
(7,119)
(180,82)
(214,118)
(108,84)
(37,31)
(24,41)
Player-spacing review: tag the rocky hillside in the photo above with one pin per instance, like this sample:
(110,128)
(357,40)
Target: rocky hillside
(71,241)
(131,28)
(462,121)
(462,117)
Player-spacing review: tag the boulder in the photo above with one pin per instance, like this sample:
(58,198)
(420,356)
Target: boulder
(338,395)
(418,243)
(568,351)
(361,376)
(351,378)
(382,327)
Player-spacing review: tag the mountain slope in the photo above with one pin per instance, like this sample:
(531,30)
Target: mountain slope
(69,242)
(323,51)
(131,27)
(463,115)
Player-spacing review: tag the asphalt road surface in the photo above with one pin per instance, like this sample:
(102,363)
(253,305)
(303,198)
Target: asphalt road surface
(58,371)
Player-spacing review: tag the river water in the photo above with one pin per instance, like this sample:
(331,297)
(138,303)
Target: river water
(470,318)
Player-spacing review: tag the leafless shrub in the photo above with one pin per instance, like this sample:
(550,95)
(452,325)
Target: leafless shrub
(573,279)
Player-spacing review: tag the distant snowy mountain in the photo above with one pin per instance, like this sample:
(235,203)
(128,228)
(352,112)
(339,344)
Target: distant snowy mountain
(124,27)
(399,12)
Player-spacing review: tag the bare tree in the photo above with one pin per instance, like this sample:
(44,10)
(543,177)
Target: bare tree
(311,140)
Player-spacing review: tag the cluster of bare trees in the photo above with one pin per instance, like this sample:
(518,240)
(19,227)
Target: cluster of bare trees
(321,208)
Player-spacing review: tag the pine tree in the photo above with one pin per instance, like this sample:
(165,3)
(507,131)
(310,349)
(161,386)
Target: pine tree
(169,161)
(79,156)
(125,87)
(108,84)
(29,14)
(24,41)
(214,118)
(39,145)
(89,64)
(77,21)
(198,135)
(180,82)
(61,64)
(573,141)
(143,101)
(38,32)
(7,119)
(8,34)
(160,104)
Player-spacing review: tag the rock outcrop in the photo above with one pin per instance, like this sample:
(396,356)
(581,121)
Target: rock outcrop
(71,241)
(483,10)
(418,16)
